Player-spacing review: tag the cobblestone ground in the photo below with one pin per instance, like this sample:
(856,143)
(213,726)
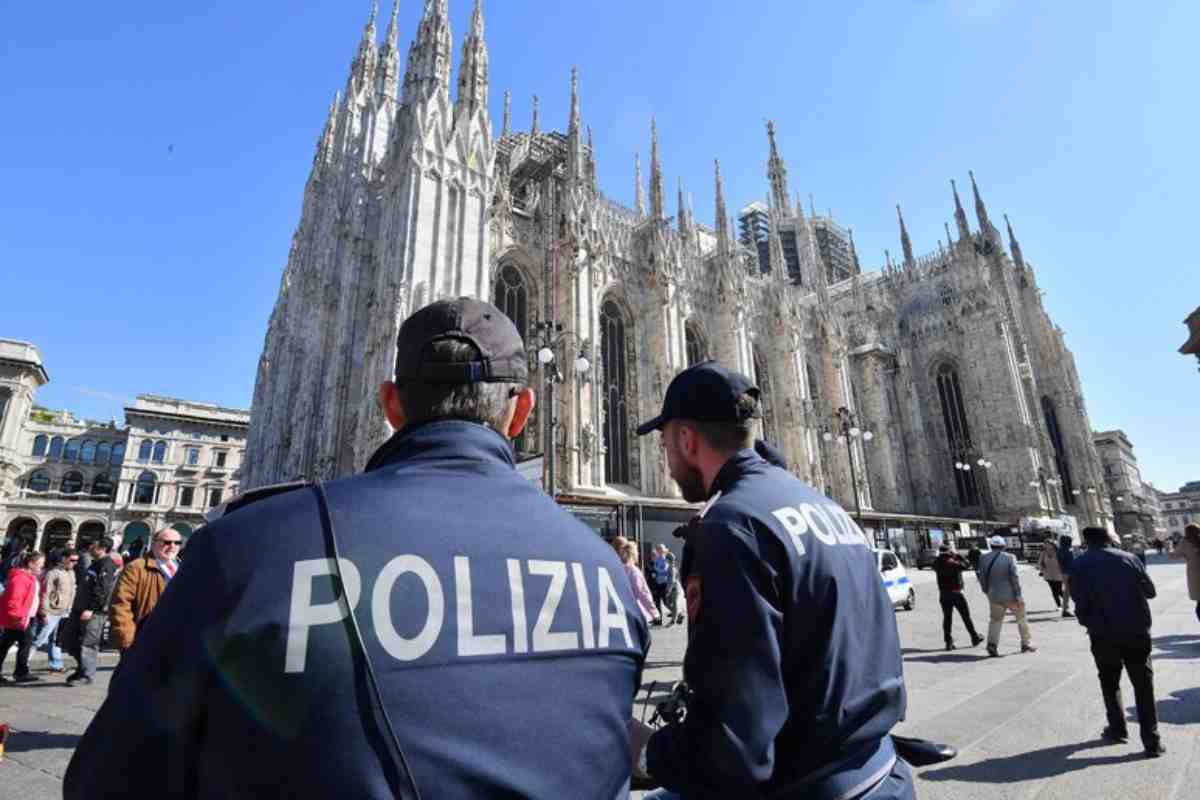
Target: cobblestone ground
(1026,725)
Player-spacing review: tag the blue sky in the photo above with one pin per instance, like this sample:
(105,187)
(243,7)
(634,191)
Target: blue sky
(153,158)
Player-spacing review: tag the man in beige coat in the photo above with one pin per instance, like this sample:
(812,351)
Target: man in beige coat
(1189,550)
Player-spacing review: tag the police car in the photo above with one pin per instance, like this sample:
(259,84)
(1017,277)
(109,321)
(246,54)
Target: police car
(895,580)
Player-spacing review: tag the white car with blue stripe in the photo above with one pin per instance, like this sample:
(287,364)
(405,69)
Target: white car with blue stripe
(895,580)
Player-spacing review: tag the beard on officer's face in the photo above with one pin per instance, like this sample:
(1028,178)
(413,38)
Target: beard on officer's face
(686,477)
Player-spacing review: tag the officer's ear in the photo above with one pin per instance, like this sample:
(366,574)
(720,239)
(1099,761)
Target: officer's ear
(392,405)
(522,408)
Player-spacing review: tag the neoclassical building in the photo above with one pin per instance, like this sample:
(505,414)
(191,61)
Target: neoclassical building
(948,358)
(66,480)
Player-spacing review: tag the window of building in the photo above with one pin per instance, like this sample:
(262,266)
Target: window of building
(219,458)
(512,297)
(102,486)
(72,483)
(224,437)
(71,452)
(958,434)
(143,491)
(214,497)
(5,398)
(187,496)
(762,379)
(103,452)
(614,355)
(87,454)
(193,456)
(160,452)
(197,436)
(39,481)
(145,450)
(40,443)
(56,447)
(118,453)
(1060,451)
(697,348)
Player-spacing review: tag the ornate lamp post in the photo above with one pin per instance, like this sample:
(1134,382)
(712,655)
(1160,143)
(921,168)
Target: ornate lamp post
(551,341)
(846,429)
(969,459)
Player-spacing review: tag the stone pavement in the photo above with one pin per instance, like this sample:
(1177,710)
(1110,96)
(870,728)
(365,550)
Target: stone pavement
(1026,725)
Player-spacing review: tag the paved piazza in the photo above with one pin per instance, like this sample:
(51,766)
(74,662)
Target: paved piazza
(1026,725)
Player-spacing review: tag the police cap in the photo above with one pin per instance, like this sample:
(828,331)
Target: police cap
(501,353)
(705,392)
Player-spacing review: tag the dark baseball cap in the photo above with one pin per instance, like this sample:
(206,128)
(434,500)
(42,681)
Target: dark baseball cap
(501,353)
(704,392)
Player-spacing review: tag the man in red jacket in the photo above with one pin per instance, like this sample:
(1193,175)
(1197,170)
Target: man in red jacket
(18,604)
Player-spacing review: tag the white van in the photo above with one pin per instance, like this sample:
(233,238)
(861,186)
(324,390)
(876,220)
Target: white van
(895,580)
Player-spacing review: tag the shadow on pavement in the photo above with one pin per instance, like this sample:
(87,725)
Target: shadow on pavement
(950,658)
(1034,765)
(662,664)
(1177,646)
(1182,708)
(28,741)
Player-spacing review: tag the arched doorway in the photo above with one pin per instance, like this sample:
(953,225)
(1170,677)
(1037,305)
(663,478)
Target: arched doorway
(58,534)
(89,532)
(135,531)
(23,527)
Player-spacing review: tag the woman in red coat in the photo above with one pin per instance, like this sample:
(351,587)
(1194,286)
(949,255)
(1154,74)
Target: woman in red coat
(18,604)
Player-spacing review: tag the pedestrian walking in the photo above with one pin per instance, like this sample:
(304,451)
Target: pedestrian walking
(998,578)
(18,606)
(973,555)
(793,659)
(1066,557)
(1111,590)
(637,581)
(58,598)
(1189,551)
(1050,569)
(140,584)
(90,612)
(662,573)
(949,567)
(436,626)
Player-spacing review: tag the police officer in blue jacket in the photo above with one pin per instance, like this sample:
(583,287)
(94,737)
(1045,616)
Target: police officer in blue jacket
(794,660)
(470,639)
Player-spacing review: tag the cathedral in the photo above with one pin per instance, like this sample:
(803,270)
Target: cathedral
(933,394)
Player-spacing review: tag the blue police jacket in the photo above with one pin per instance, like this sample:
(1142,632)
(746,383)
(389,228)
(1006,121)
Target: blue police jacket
(506,639)
(794,659)
(1111,590)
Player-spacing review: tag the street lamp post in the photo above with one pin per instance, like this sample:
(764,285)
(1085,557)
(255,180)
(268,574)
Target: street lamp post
(847,429)
(1044,480)
(551,339)
(968,459)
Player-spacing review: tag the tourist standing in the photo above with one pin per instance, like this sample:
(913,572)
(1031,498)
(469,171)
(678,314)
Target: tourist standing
(1066,557)
(58,598)
(998,578)
(949,567)
(1189,551)
(1111,591)
(1051,570)
(91,611)
(627,552)
(139,586)
(18,606)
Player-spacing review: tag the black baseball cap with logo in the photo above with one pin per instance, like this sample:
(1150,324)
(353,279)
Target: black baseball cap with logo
(501,353)
(704,392)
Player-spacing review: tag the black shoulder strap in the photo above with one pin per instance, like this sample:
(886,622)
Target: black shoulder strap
(401,778)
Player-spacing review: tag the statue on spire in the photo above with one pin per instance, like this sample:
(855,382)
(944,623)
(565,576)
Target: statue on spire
(507,129)
(473,70)
(639,196)
(724,241)
(536,128)
(657,210)
(777,173)
(960,216)
(990,234)
(1015,246)
(905,242)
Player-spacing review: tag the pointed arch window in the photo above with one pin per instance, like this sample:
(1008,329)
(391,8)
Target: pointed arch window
(1060,451)
(614,358)
(39,481)
(72,483)
(958,434)
(762,379)
(40,443)
(697,348)
(143,490)
(512,297)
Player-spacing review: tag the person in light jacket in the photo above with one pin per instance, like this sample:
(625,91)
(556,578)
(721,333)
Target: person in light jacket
(58,596)
(998,578)
(1189,551)
(1052,570)
(637,581)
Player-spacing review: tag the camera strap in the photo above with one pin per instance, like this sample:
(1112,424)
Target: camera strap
(406,788)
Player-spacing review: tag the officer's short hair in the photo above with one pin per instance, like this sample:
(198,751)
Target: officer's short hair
(105,543)
(730,435)
(481,402)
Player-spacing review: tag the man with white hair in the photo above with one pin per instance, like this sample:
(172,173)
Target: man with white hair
(140,585)
(998,578)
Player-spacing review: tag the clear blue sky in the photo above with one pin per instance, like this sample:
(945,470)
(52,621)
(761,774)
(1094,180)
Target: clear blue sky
(153,156)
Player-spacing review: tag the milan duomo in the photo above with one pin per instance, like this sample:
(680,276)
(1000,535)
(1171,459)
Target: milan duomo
(949,359)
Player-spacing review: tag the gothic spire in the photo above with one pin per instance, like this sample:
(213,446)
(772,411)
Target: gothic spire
(389,56)
(536,127)
(507,113)
(905,242)
(960,216)
(985,224)
(576,163)
(429,57)
(639,195)
(656,179)
(1014,245)
(473,69)
(777,173)
(949,240)
(685,224)
(854,253)
(778,262)
(591,160)
(362,71)
(722,220)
